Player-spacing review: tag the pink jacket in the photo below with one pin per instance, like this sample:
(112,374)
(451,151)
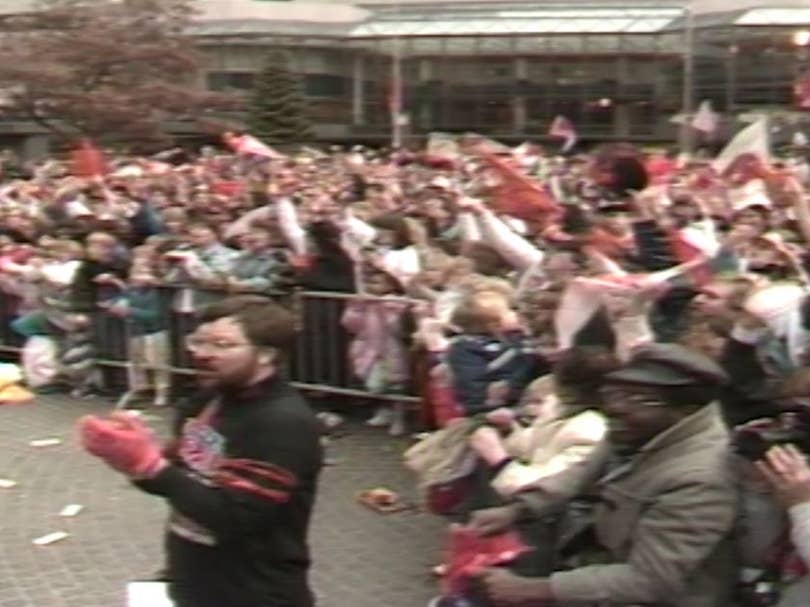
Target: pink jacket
(376,325)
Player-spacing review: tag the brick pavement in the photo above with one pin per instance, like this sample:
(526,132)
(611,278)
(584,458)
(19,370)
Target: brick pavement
(362,559)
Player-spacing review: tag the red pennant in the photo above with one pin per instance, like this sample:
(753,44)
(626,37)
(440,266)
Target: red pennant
(468,554)
(87,160)
(519,195)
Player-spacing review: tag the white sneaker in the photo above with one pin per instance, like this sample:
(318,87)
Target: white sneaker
(127,399)
(161,400)
(397,427)
(382,417)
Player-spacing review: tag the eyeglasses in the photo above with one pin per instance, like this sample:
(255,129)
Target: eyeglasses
(614,395)
(217,346)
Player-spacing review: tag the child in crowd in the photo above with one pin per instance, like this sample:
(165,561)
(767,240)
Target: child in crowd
(139,304)
(490,361)
(378,352)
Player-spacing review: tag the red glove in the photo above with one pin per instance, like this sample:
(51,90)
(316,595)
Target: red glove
(124,442)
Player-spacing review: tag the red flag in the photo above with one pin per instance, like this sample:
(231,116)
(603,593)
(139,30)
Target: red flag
(87,160)
(247,145)
(518,195)
(660,168)
(468,554)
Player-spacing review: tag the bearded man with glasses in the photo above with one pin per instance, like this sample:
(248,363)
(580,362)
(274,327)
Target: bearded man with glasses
(240,478)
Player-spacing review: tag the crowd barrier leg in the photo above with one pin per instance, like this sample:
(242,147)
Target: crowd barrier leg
(320,359)
(10,340)
(110,343)
(320,355)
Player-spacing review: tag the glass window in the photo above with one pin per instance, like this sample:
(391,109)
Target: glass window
(223,81)
(607,43)
(494,45)
(458,46)
(426,46)
(534,44)
(565,44)
(325,85)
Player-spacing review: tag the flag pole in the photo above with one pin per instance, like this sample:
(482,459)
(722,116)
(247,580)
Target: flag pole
(396,90)
(688,101)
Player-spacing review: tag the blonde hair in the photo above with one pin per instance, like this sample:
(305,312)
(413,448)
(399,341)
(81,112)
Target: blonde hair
(478,311)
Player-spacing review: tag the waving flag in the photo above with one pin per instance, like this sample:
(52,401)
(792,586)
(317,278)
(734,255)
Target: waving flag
(516,194)
(442,152)
(753,140)
(248,145)
(706,120)
(87,160)
(563,128)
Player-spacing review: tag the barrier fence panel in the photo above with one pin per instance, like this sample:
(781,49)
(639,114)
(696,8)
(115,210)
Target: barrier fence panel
(319,360)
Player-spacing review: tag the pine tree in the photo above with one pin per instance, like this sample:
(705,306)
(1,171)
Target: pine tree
(277,111)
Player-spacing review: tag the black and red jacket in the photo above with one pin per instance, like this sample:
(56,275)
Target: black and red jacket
(241,487)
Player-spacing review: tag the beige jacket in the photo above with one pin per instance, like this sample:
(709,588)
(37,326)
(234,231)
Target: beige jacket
(665,520)
(553,456)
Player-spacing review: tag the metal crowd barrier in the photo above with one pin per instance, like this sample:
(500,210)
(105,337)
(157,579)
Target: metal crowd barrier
(318,362)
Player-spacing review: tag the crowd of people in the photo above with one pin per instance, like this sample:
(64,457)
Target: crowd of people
(612,344)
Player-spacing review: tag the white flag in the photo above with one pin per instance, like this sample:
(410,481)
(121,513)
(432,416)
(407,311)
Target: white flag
(564,129)
(680,119)
(753,139)
(443,146)
(706,119)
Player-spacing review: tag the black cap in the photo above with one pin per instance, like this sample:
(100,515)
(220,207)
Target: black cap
(671,365)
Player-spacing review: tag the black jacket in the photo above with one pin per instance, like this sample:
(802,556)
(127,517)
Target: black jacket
(85,292)
(242,487)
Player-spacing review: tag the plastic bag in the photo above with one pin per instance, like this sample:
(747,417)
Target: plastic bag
(40,361)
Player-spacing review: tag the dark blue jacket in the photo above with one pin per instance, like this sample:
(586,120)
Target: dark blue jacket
(478,361)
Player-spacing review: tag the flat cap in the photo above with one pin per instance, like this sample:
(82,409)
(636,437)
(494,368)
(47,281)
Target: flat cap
(660,364)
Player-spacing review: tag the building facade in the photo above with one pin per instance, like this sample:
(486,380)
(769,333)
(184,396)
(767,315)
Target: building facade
(506,69)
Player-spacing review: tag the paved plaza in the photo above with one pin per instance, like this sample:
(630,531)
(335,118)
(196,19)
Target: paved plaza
(362,559)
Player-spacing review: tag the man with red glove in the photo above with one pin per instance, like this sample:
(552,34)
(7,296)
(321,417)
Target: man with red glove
(241,477)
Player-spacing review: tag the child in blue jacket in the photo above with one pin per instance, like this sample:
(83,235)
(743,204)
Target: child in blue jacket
(491,361)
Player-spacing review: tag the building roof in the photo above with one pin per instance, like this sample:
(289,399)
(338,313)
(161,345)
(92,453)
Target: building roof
(395,18)
(546,20)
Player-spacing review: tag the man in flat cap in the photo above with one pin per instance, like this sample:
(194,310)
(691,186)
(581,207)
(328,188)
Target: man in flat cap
(666,497)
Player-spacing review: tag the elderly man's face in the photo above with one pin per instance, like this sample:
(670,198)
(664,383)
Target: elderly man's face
(636,414)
